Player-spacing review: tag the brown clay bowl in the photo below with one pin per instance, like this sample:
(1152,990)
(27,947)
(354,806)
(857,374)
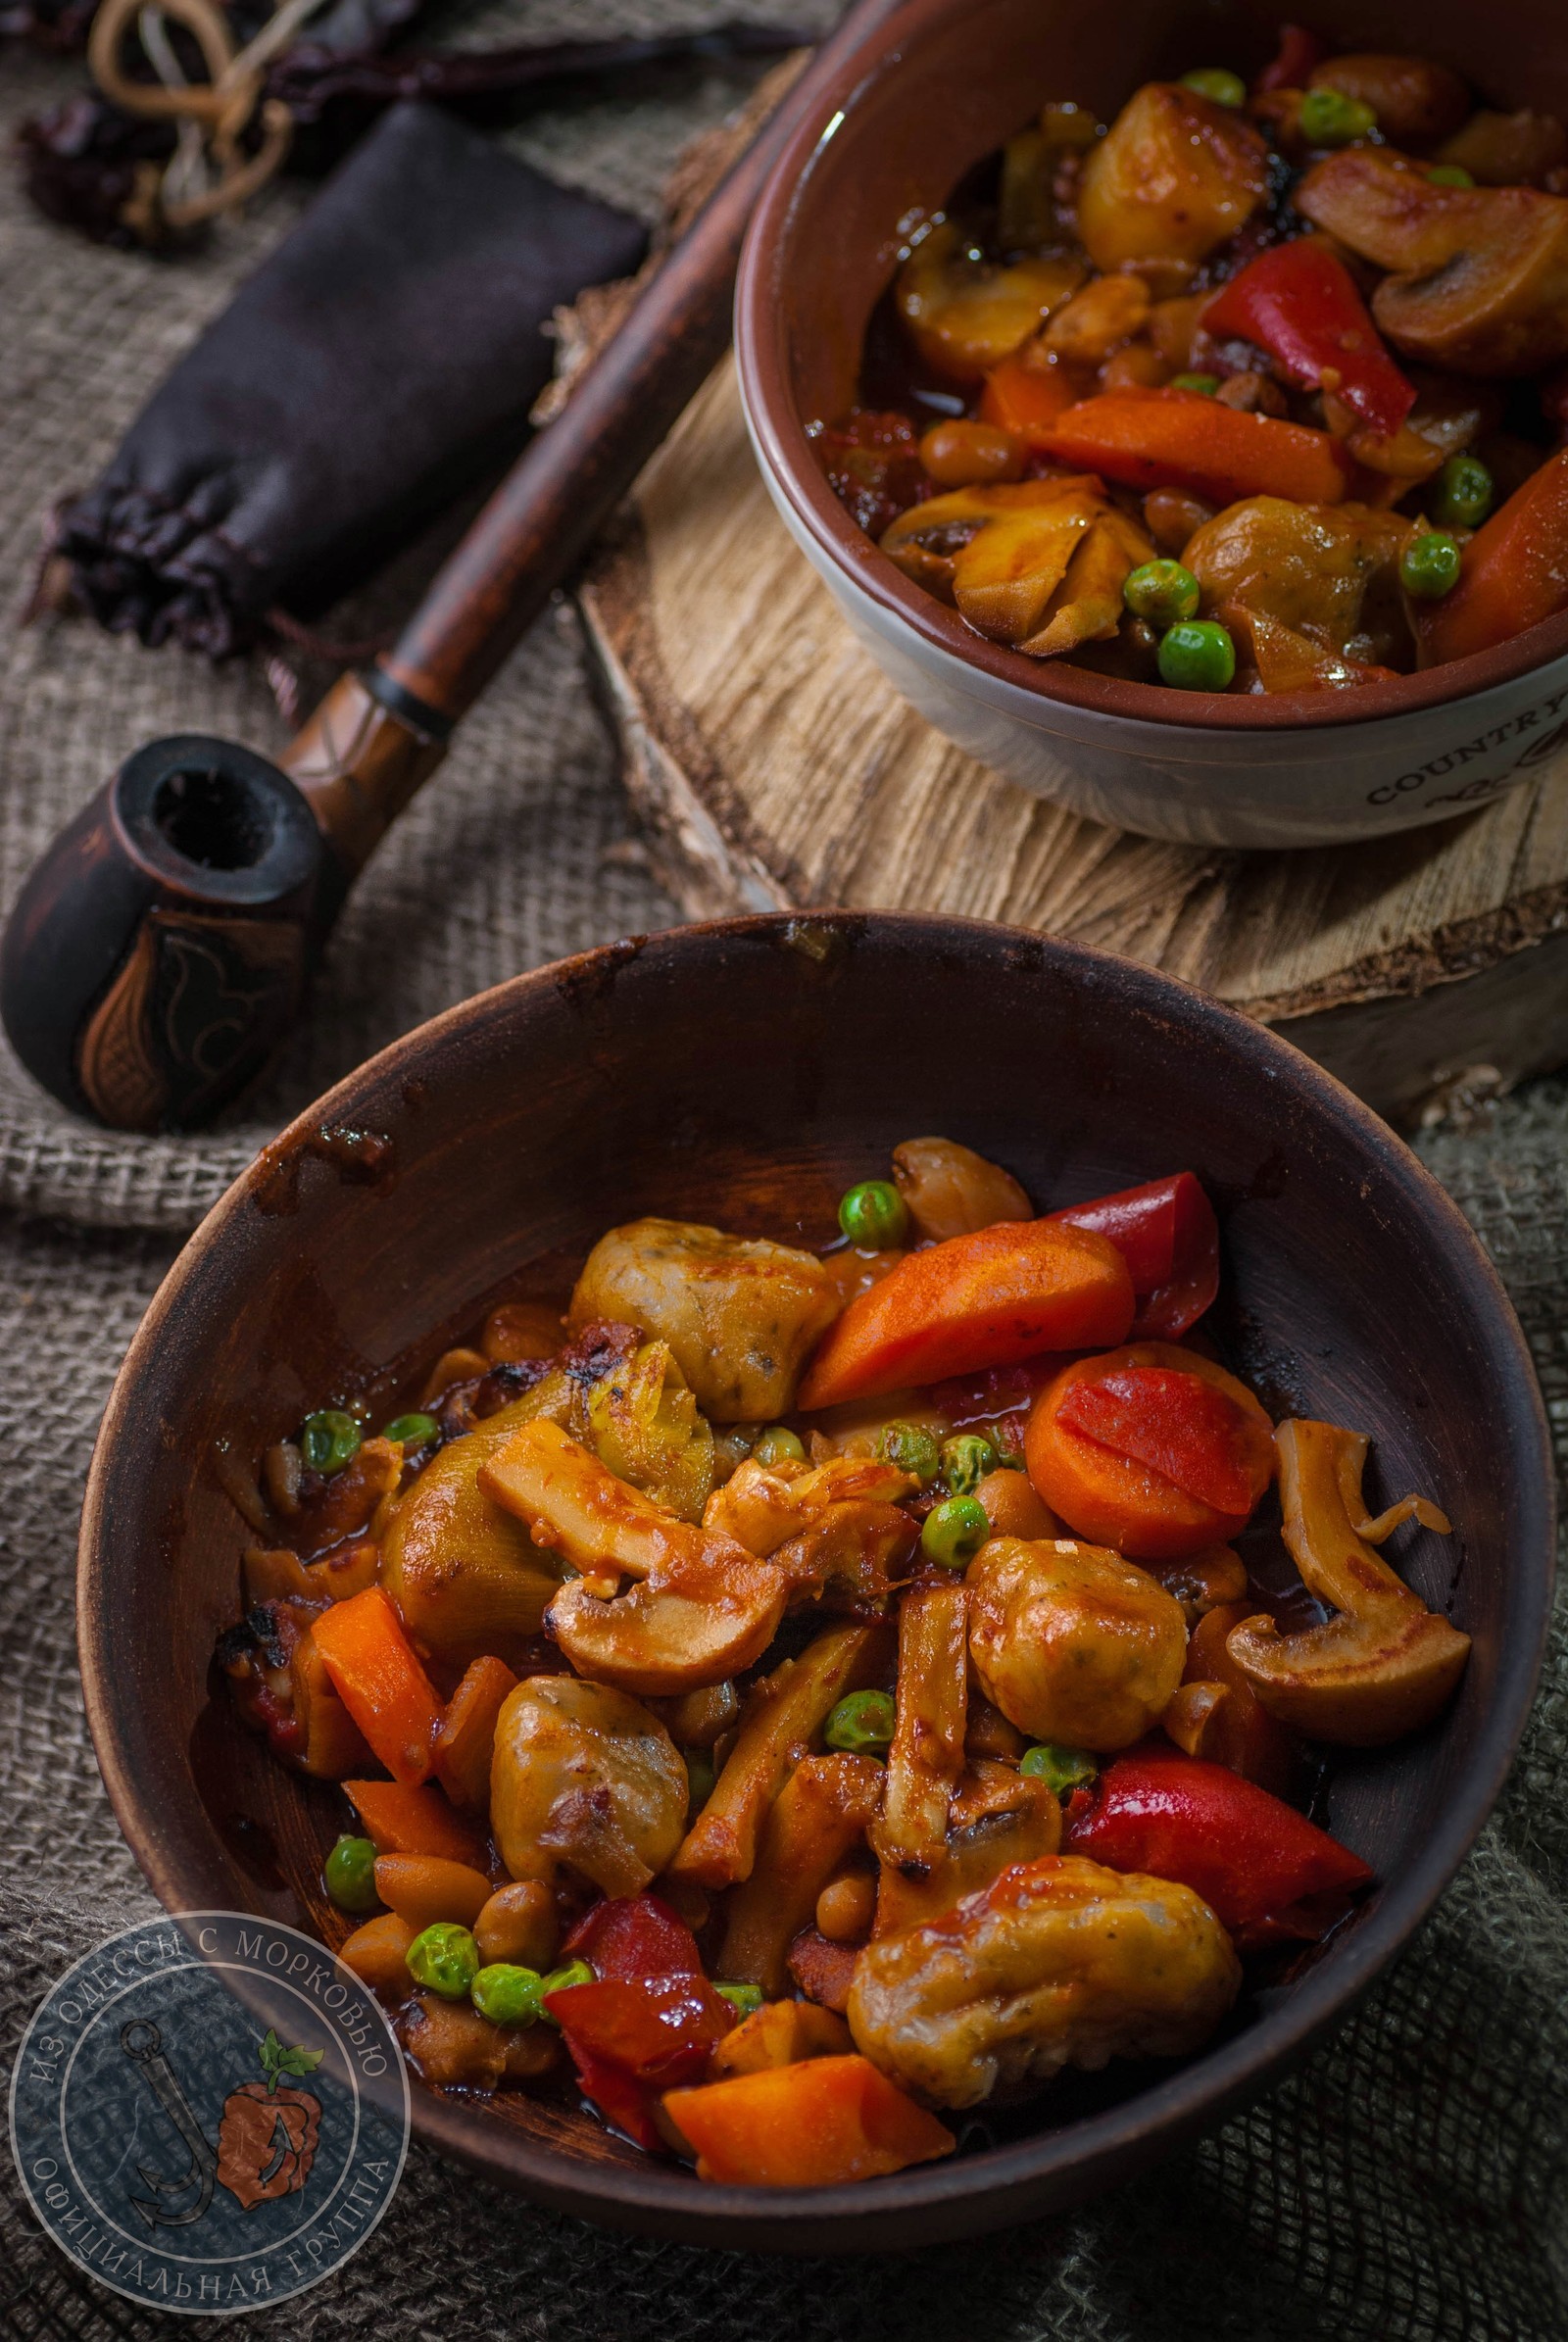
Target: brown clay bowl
(746,1072)
(945,82)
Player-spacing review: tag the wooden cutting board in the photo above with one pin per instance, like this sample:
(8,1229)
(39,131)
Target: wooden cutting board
(776,768)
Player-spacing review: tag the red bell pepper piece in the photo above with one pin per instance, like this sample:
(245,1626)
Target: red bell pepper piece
(1179,1426)
(1264,1869)
(1299,52)
(1300,303)
(627,2103)
(650,2019)
(635,1937)
(660,2030)
(1167,1235)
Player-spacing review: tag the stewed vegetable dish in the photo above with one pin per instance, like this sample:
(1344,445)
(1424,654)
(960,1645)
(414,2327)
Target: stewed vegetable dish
(797,1701)
(1257,389)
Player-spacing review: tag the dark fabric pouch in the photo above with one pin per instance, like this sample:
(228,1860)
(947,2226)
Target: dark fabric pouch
(382,360)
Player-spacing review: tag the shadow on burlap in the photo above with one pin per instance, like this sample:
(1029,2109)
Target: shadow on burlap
(1407,2183)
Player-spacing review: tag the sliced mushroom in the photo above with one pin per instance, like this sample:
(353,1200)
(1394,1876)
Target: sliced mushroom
(1109,312)
(1059,1963)
(764,1506)
(965,315)
(1286,660)
(1035,527)
(823,1809)
(783,1715)
(584,1777)
(1216,1714)
(1479,275)
(463,1570)
(740,1314)
(1449,415)
(996,1817)
(1175,175)
(702,1608)
(1384,1663)
(1087,605)
(926,1759)
(1038,565)
(836,1531)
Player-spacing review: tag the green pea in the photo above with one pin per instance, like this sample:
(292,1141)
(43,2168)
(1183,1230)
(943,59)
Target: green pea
(967,1458)
(778,1445)
(1464,492)
(1448,175)
(1061,1769)
(1218,82)
(955,1532)
(699,1779)
(444,1958)
(1207,384)
(413,1431)
(745,1998)
(1327,119)
(563,1979)
(349,1874)
(863,1723)
(874,1215)
(913,1448)
(1429,566)
(1162,591)
(1197,656)
(508,1994)
(329,1440)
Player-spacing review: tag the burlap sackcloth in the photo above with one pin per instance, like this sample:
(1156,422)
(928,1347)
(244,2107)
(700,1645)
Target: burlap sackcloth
(1407,2183)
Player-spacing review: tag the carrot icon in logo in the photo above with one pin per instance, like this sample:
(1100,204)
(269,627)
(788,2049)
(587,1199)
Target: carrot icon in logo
(268,2138)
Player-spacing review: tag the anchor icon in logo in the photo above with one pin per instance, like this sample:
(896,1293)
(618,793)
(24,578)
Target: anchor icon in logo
(265,2144)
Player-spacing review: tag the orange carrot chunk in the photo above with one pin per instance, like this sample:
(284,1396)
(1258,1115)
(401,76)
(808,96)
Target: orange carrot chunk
(1026,400)
(992,1298)
(377,1677)
(1181,439)
(1515,571)
(815,2124)
(402,1821)
(465,1738)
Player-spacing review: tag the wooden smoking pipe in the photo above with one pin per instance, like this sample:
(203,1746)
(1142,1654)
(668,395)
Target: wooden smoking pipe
(162,946)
